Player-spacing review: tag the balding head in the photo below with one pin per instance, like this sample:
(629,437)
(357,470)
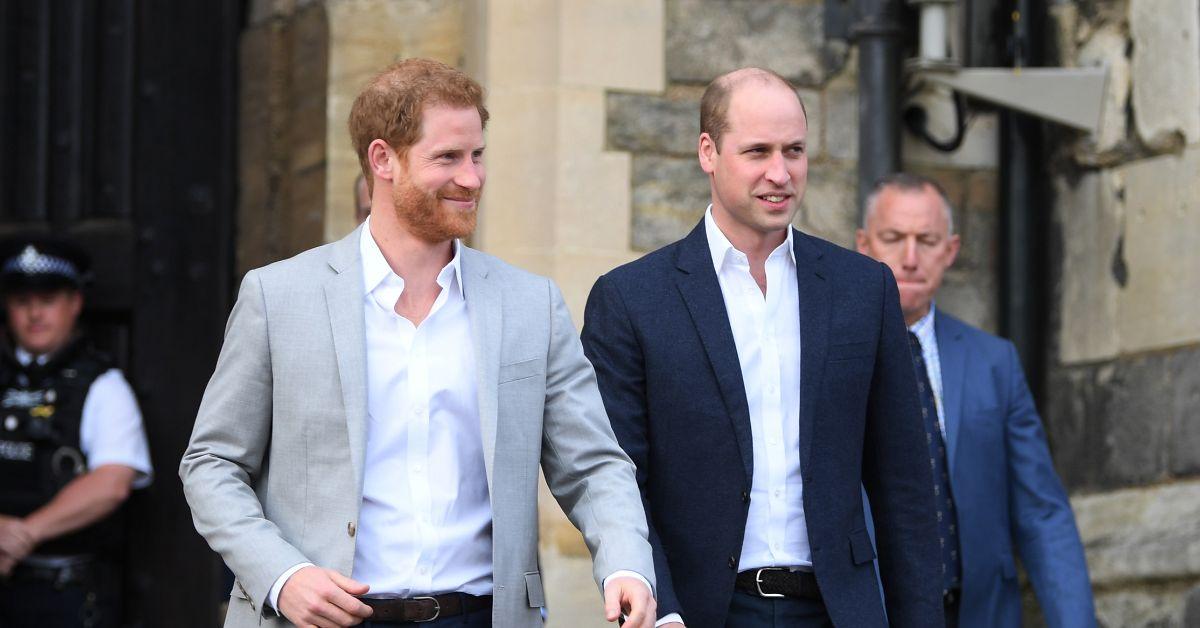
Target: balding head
(714,105)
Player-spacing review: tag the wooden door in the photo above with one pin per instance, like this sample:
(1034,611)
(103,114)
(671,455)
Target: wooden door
(117,127)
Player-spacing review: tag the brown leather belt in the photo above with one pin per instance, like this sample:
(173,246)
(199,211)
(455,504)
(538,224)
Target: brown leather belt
(425,608)
(778,582)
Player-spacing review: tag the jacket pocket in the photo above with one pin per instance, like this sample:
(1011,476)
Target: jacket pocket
(533,586)
(520,370)
(861,550)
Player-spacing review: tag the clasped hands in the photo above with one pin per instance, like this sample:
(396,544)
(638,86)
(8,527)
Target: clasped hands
(17,540)
(314,596)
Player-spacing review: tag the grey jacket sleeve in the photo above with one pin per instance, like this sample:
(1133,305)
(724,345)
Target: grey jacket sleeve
(586,470)
(224,458)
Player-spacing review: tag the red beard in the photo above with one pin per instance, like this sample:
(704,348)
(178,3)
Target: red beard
(427,219)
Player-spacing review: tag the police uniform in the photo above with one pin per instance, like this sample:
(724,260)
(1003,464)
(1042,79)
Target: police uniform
(62,415)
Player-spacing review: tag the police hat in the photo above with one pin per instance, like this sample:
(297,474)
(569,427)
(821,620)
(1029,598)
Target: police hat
(41,262)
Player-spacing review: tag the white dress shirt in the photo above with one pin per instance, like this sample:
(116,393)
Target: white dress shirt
(425,526)
(110,425)
(925,333)
(766,330)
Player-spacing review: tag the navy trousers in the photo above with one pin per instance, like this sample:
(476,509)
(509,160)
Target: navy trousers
(751,611)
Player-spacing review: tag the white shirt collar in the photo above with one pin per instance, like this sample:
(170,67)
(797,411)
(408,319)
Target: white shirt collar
(923,328)
(25,357)
(720,247)
(376,269)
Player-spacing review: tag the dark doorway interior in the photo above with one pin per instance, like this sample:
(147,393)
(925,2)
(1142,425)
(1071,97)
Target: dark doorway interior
(117,126)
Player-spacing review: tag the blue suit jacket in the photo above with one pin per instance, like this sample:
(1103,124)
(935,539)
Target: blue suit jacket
(1005,487)
(657,332)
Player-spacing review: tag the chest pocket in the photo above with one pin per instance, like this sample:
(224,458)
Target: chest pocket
(523,369)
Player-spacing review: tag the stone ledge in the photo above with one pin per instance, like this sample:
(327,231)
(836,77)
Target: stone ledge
(1149,534)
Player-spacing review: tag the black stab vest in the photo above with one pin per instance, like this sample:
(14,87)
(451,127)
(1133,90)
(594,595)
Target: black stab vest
(41,409)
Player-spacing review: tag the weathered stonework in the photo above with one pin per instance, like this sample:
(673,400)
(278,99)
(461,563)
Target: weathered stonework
(1141,551)
(1162,220)
(1126,422)
(828,208)
(669,198)
(282,134)
(706,38)
(1092,216)
(1166,70)
(645,123)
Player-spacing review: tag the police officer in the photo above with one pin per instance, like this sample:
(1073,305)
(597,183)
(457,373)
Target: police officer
(71,447)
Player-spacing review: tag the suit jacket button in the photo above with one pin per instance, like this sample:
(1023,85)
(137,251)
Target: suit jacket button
(351,529)
(733,562)
(745,497)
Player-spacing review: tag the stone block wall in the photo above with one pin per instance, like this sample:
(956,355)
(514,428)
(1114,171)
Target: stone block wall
(281,158)
(1124,397)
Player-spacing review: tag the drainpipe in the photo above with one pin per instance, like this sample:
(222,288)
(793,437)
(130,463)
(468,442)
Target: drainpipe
(1024,214)
(877,31)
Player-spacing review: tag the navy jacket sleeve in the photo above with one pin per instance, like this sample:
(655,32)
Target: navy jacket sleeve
(897,477)
(1043,525)
(611,344)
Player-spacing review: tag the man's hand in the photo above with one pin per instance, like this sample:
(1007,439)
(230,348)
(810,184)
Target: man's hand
(16,542)
(631,597)
(673,624)
(322,597)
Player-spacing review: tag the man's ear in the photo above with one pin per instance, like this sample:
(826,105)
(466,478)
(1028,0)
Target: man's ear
(860,240)
(952,253)
(382,159)
(76,302)
(707,151)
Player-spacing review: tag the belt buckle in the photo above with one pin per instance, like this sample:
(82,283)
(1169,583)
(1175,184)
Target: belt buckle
(758,582)
(437,609)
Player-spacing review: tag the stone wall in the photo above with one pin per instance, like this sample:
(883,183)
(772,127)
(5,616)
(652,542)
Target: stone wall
(705,38)
(282,151)
(1124,393)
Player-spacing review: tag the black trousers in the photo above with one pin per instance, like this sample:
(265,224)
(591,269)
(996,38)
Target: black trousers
(752,611)
(89,600)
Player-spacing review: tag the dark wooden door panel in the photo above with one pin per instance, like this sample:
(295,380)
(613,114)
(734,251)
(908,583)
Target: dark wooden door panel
(117,127)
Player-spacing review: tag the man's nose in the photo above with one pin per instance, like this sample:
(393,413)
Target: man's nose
(470,175)
(777,172)
(910,253)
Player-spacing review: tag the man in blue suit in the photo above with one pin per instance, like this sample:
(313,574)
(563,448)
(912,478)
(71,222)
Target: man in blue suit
(759,378)
(1003,491)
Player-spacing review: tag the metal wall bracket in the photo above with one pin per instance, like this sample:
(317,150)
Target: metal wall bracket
(1070,96)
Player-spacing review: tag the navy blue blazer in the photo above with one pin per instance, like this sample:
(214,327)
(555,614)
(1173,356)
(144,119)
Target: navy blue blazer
(658,335)
(1005,487)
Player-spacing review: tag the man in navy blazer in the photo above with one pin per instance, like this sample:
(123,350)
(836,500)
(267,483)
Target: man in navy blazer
(1005,491)
(759,378)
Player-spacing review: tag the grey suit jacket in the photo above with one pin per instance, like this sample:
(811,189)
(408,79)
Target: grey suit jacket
(274,469)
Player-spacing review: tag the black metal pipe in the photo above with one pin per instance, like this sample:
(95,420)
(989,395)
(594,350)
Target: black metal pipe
(1024,214)
(877,30)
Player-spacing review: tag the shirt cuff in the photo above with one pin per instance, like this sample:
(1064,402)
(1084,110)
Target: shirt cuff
(273,596)
(625,573)
(668,619)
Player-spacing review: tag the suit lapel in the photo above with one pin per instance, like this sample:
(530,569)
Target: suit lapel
(344,300)
(952,352)
(483,309)
(813,290)
(701,293)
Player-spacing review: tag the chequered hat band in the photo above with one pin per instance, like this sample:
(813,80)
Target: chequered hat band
(33,263)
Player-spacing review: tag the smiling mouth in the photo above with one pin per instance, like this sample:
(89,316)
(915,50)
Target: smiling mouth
(775,198)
